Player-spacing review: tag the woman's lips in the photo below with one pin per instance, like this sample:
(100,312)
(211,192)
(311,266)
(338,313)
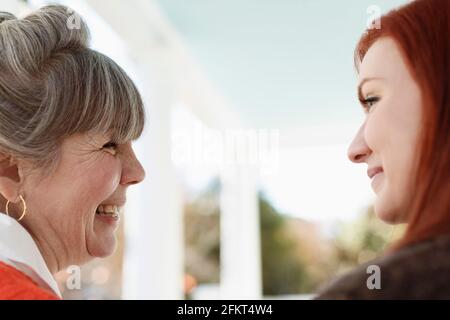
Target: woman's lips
(110,220)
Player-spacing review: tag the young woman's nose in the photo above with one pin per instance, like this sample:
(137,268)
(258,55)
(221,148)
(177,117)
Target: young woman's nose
(358,149)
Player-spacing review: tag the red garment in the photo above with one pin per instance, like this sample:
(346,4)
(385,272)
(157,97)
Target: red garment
(15,285)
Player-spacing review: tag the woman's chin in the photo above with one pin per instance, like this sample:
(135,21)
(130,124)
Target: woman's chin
(103,247)
(102,242)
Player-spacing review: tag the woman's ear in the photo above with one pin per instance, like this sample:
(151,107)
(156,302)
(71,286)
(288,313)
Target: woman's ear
(10,179)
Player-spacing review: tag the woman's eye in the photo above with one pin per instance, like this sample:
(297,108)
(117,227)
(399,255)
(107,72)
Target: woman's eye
(369,102)
(111,147)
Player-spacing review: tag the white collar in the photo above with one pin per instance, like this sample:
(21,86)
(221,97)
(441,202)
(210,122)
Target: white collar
(18,249)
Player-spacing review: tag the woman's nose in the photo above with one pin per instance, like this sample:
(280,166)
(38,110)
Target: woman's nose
(358,149)
(132,172)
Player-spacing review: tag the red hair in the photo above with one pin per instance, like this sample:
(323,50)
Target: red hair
(422,31)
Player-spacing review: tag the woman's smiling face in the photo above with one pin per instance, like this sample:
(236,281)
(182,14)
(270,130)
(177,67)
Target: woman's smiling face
(91,171)
(388,139)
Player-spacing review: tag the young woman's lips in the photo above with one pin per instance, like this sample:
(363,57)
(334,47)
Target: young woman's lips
(372,172)
(375,174)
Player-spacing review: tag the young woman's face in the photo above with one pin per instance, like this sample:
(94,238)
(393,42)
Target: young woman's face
(389,136)
(63,206)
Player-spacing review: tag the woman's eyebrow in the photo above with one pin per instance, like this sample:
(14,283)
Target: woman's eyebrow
(365,80)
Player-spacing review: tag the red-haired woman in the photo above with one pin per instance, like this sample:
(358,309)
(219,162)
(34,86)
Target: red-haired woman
(404,88)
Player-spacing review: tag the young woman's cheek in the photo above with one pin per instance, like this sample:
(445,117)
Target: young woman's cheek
(374,133)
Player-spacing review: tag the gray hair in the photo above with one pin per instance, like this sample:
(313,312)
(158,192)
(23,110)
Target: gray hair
(52,85)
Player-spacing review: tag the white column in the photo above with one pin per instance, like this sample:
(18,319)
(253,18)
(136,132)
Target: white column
(241,275)
(154,256)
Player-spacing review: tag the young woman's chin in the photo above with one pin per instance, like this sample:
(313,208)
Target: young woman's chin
(387,208)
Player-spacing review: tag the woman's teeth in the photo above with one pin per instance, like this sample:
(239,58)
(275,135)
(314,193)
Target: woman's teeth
(108,210)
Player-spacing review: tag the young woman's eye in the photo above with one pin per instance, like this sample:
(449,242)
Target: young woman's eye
(110,147)
(369,102)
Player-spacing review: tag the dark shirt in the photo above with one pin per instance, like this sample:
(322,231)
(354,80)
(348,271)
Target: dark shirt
(419,271)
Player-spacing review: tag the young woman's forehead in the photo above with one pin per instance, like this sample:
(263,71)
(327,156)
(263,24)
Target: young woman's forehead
(383,60)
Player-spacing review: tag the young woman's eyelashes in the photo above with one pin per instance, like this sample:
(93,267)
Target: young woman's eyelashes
(368,102)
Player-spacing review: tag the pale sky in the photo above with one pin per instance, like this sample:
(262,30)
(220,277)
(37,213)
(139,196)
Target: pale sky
(281,64)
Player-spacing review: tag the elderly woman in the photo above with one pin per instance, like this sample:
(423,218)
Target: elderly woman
(404,89)
(68,115)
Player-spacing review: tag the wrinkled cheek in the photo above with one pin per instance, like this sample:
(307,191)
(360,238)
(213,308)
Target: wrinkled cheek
(106,180)
(111,179)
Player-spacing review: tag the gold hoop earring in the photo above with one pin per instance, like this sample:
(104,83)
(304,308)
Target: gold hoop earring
(24,208)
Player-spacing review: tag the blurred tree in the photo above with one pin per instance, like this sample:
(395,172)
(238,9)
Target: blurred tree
(364,239)
(202,236)
(284,271)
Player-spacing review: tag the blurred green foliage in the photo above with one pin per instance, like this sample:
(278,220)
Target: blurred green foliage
(283,270)
(202,236)
(364,239)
